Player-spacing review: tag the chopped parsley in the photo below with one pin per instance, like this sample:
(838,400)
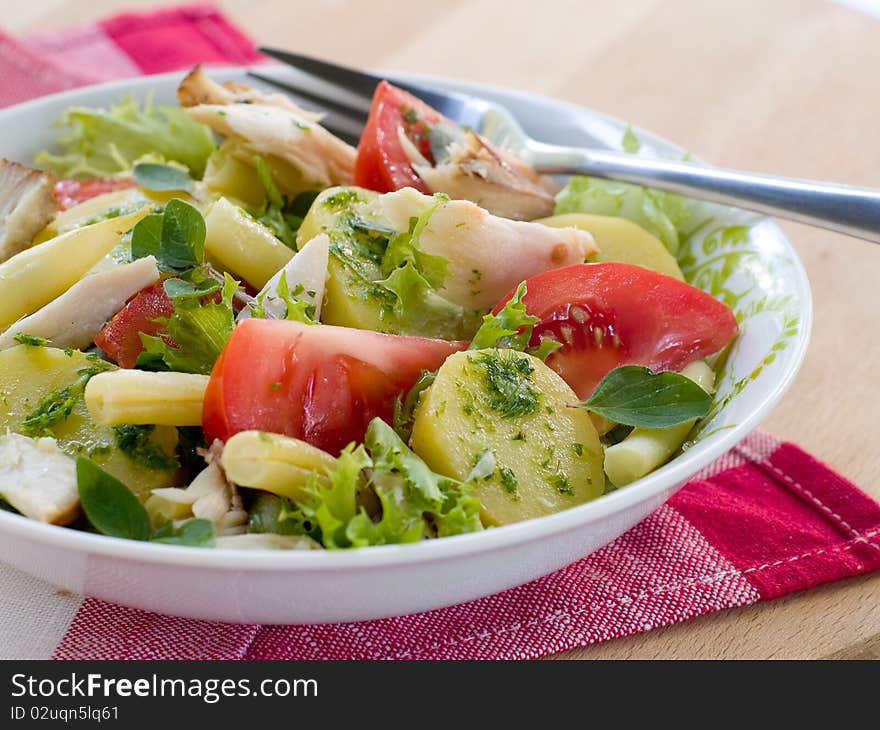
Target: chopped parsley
(30,340)
(134,442)
(562,485)
(509,381)
(57,406)
(508,480)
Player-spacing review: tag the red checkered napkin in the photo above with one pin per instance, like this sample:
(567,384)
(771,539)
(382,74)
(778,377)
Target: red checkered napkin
(765,520)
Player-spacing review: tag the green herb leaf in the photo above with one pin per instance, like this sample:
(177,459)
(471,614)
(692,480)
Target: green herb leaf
(134,441)
(405,408)
(183,236)
(274,514)
(109,505)
(59,404)
(30,340)
(198,330)
(512,329)
(404,247)
(193,533)
(177,288)
(510,382)
(630,142)
(280,215)
(414,500)
(175,236)
(153,176)
(273,194)
(635,396)
(298,310)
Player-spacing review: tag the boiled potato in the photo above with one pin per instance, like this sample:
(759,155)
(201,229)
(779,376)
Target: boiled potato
(30,375)
(621,240)
(510,415)
(349,298)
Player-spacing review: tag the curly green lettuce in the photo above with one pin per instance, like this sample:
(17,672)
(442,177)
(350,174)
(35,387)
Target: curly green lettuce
(414,502)
(666,215)
(105,142)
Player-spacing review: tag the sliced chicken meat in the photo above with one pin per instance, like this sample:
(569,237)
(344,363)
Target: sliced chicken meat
(271,126)
(493,179)
(38,479)
(27,204)
(488,255)
(76,317)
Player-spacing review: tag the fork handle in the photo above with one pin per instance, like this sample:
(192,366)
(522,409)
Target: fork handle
(843,208)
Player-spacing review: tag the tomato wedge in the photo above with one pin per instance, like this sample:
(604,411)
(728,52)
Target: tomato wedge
(73,192)
(319,383)
(382,164)
(612,314)
(120,338)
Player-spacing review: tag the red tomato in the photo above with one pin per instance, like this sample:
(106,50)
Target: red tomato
(72,192)
(611,314)
(382,164)
(319,383)
(120,338)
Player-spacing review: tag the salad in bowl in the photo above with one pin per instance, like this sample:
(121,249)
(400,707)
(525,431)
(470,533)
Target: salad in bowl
(222,326)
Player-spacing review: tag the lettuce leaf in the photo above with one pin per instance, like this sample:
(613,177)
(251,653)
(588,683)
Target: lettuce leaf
(197,331)
(512,329)
(104,142)
(666,215)
(414,501)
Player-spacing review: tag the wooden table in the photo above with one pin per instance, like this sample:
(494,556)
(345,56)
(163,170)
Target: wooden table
(787,87)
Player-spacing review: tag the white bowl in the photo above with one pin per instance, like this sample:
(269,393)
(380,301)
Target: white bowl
(756,272)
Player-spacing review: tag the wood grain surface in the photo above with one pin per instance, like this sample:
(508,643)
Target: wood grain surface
(787,87)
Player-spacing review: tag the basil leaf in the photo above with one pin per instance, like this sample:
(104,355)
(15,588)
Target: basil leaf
(183,236)
(181,288)
(109,505)
(162,177)
(146,237)
(175,236)
(194,533)
(635,396)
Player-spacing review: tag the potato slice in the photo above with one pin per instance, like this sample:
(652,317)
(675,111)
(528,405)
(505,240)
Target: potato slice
(510,416)
(621,240)
(29,376)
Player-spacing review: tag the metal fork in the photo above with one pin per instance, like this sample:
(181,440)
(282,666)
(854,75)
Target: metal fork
(344,94)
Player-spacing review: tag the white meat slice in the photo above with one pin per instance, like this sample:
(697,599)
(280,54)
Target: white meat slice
(321,158)
(38,479)
(212,498)
(488,255)
(489,177)
(76,317)
(27,204)
(270,125)
(198,88)
(308,268)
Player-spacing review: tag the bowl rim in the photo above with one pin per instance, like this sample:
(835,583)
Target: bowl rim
(649,487)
